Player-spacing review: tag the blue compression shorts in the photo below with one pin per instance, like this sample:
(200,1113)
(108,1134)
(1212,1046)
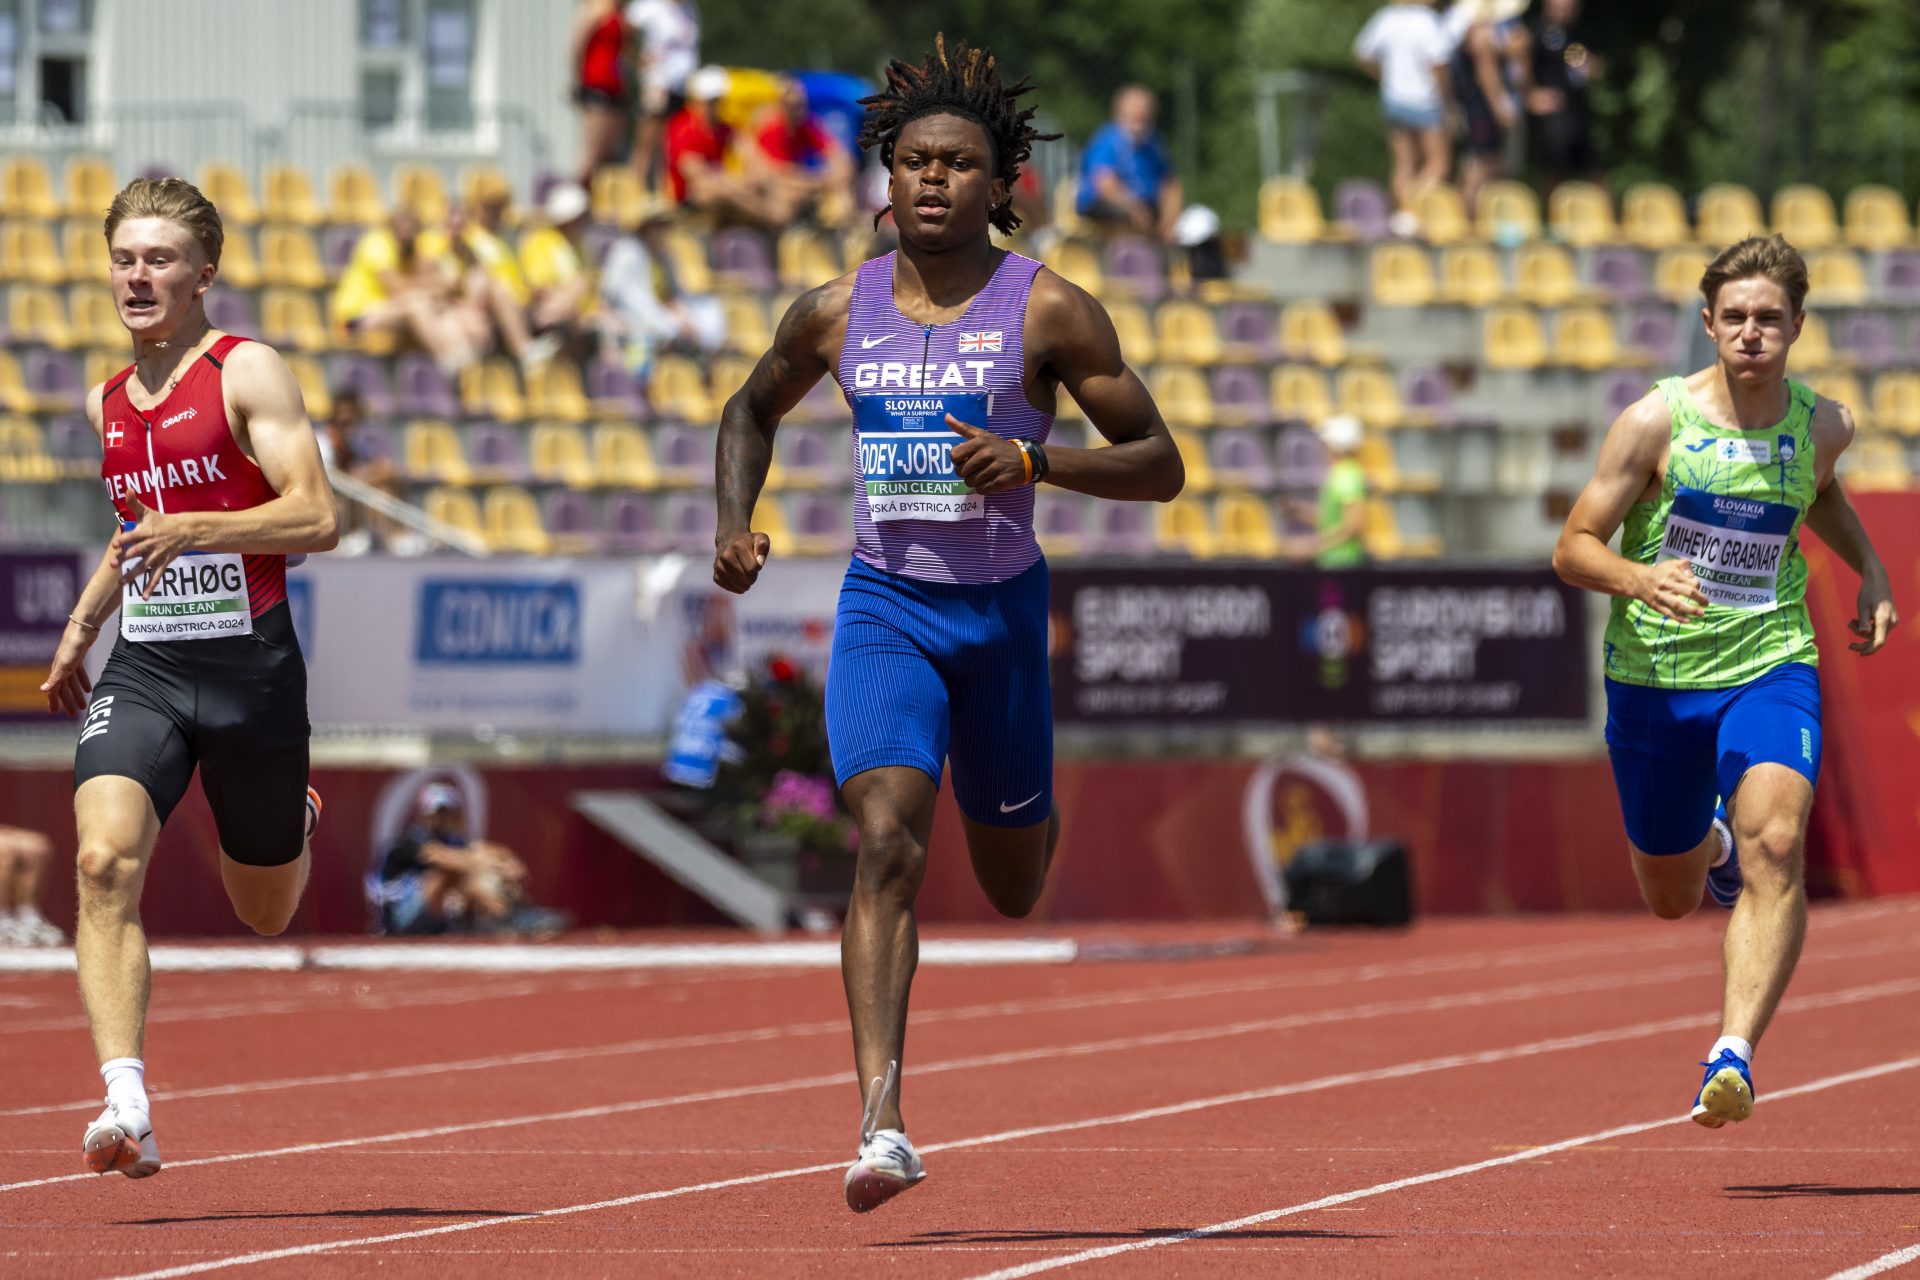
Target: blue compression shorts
(1677,751)
(924,673)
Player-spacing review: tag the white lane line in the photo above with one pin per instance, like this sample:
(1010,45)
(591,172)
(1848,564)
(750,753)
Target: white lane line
(1884,1263)
(1041,1004)
(1442,1175)
(1152,1113)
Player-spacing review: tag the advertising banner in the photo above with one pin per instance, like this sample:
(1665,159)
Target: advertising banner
(37,589)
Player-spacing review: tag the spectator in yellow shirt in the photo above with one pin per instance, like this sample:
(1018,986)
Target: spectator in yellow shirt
(397,285)
(490,281)
(559,278)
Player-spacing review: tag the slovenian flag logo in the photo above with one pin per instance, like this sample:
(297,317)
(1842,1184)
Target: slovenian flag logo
(974,343)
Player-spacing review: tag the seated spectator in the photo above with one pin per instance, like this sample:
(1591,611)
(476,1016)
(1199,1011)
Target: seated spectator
(436,879)
(362,529)
(23,854)
(648,309)
(698,146)
(491,286)
(1406,48)
(393,286)
(560,288)
(1126,180)
(808,168)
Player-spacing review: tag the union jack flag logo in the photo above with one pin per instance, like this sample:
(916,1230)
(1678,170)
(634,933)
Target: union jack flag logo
(974,343)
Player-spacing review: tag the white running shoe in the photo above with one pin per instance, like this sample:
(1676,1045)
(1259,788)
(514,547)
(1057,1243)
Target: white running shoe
(121,1141)
(36,930)
(888,1163)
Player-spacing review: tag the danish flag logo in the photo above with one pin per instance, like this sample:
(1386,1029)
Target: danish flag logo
(974,343)
(114,434)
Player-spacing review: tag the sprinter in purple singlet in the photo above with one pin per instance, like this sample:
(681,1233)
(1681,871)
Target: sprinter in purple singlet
(951,354)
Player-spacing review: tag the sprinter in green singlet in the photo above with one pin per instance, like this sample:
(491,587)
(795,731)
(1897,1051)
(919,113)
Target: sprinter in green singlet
(1713,706)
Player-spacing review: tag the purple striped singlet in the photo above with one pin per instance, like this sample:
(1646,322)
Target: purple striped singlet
(900,378)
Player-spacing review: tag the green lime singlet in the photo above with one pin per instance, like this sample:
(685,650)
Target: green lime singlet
(1732,503)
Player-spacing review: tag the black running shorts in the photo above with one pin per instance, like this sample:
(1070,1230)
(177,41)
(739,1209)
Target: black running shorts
(236,706)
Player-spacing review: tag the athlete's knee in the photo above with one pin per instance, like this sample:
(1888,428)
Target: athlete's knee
(106,874)
(1669,904)
(891,860)
(268,919)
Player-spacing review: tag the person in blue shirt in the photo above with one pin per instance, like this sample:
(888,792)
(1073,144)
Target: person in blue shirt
(1125,178)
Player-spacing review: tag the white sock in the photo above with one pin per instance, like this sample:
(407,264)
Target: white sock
(1741,1049)
(1725,833)
(126,1083)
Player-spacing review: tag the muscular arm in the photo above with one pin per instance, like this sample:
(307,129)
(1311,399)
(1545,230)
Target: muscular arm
(1629,462)
(1834,519)
(264,398)
(802,347)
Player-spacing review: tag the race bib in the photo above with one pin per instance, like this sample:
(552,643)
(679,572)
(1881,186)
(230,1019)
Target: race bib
(200,595)
(1735,544)
(906,454)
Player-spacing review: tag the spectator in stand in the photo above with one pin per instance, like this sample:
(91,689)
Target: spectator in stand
(393,286)
(698,145)
(669,36)
(23,854)
(362,529)
(490,287)
(601,87)
(1488,73)
(648,309)
(1126,180)
(559,279)
(1405,47)
(438,879)
(1341,518)
(796,157)
(1564,69)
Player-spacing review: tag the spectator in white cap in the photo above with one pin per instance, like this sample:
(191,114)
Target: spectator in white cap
(668,33)
(701,172)
(558,276)
(1339,541)
(438,878)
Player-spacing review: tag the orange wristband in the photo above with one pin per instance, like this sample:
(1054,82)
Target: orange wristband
(1026,459)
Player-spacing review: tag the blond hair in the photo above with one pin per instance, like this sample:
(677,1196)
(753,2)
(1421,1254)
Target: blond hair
(1769,256)
(174,199)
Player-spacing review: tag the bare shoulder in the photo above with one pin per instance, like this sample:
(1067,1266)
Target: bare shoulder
(1645,426)
(96,402)
(1064,320)
(1058,300)
(819,313)
(252,366)
(1832,427)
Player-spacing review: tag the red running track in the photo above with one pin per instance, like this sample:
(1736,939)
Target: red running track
(1464,1099)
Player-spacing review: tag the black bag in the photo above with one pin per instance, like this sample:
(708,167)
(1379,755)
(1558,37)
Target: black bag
(1351,882)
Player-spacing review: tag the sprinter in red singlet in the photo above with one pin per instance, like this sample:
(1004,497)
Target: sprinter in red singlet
(215,473)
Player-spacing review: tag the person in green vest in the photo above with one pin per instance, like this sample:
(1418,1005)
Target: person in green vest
(1713,705)
(1338,542)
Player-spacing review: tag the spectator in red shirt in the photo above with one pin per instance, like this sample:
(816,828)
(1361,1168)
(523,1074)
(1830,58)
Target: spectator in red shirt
(698,142)
(795,155)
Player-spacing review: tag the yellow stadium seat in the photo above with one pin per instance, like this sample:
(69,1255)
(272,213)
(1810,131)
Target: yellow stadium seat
(1183,395)
(1135,331)
(1384,539)
(1509,213)
(353,196)
(806,258)
(1583,337)
(618,195)
(1187,333)
(35,314)
(1676,275)
(1544,276)
(770,518)
(94,317)
(289,258)
(102,365)
(1581,214)
(1876,465)
(239,264)
(292,317)
(1079,263)
(1403,275)
(231,193)
(1804,215)
(315,390)
(747,327)
(513,523)
(23,453)
(1470,276)
(622,458)
(1729,213)
(1300,394)
(1843,388)
(1310,330)
(688,254)
(557,453)
(1512,339)
(1375,456)
(1185,525)
(555,390)
(491,388)
(90,188)
(13,387)
(28,252)
(422,190)
(1290,212)
(1195,458)
(1836,277)
(289,198)
(677,389)
(1877,219)
(1814,348)
(1896,403)
(1653,216)
(26,189)
(1442,215)
(730,373)
(84,255)
(1246,527)
(1369,393)
(455,507)
(431,450)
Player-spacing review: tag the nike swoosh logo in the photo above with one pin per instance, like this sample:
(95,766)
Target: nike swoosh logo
(866,343)
(1009,808)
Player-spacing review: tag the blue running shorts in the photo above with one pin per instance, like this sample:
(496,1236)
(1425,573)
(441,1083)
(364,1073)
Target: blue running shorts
(924,673)
(1677,751)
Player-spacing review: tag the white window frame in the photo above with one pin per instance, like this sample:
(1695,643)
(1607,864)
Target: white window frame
(409,133)
(32,46)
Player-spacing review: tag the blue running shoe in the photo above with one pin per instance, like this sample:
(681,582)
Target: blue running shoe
(1727,1092)
(1724,882)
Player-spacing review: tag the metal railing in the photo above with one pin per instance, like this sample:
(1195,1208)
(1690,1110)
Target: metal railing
(405,513)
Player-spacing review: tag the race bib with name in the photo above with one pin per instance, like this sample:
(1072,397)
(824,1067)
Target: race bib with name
(906,454)
(1735,545)
(200,595)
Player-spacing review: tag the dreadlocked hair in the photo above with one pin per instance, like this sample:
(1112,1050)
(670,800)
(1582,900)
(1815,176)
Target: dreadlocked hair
(965,82)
